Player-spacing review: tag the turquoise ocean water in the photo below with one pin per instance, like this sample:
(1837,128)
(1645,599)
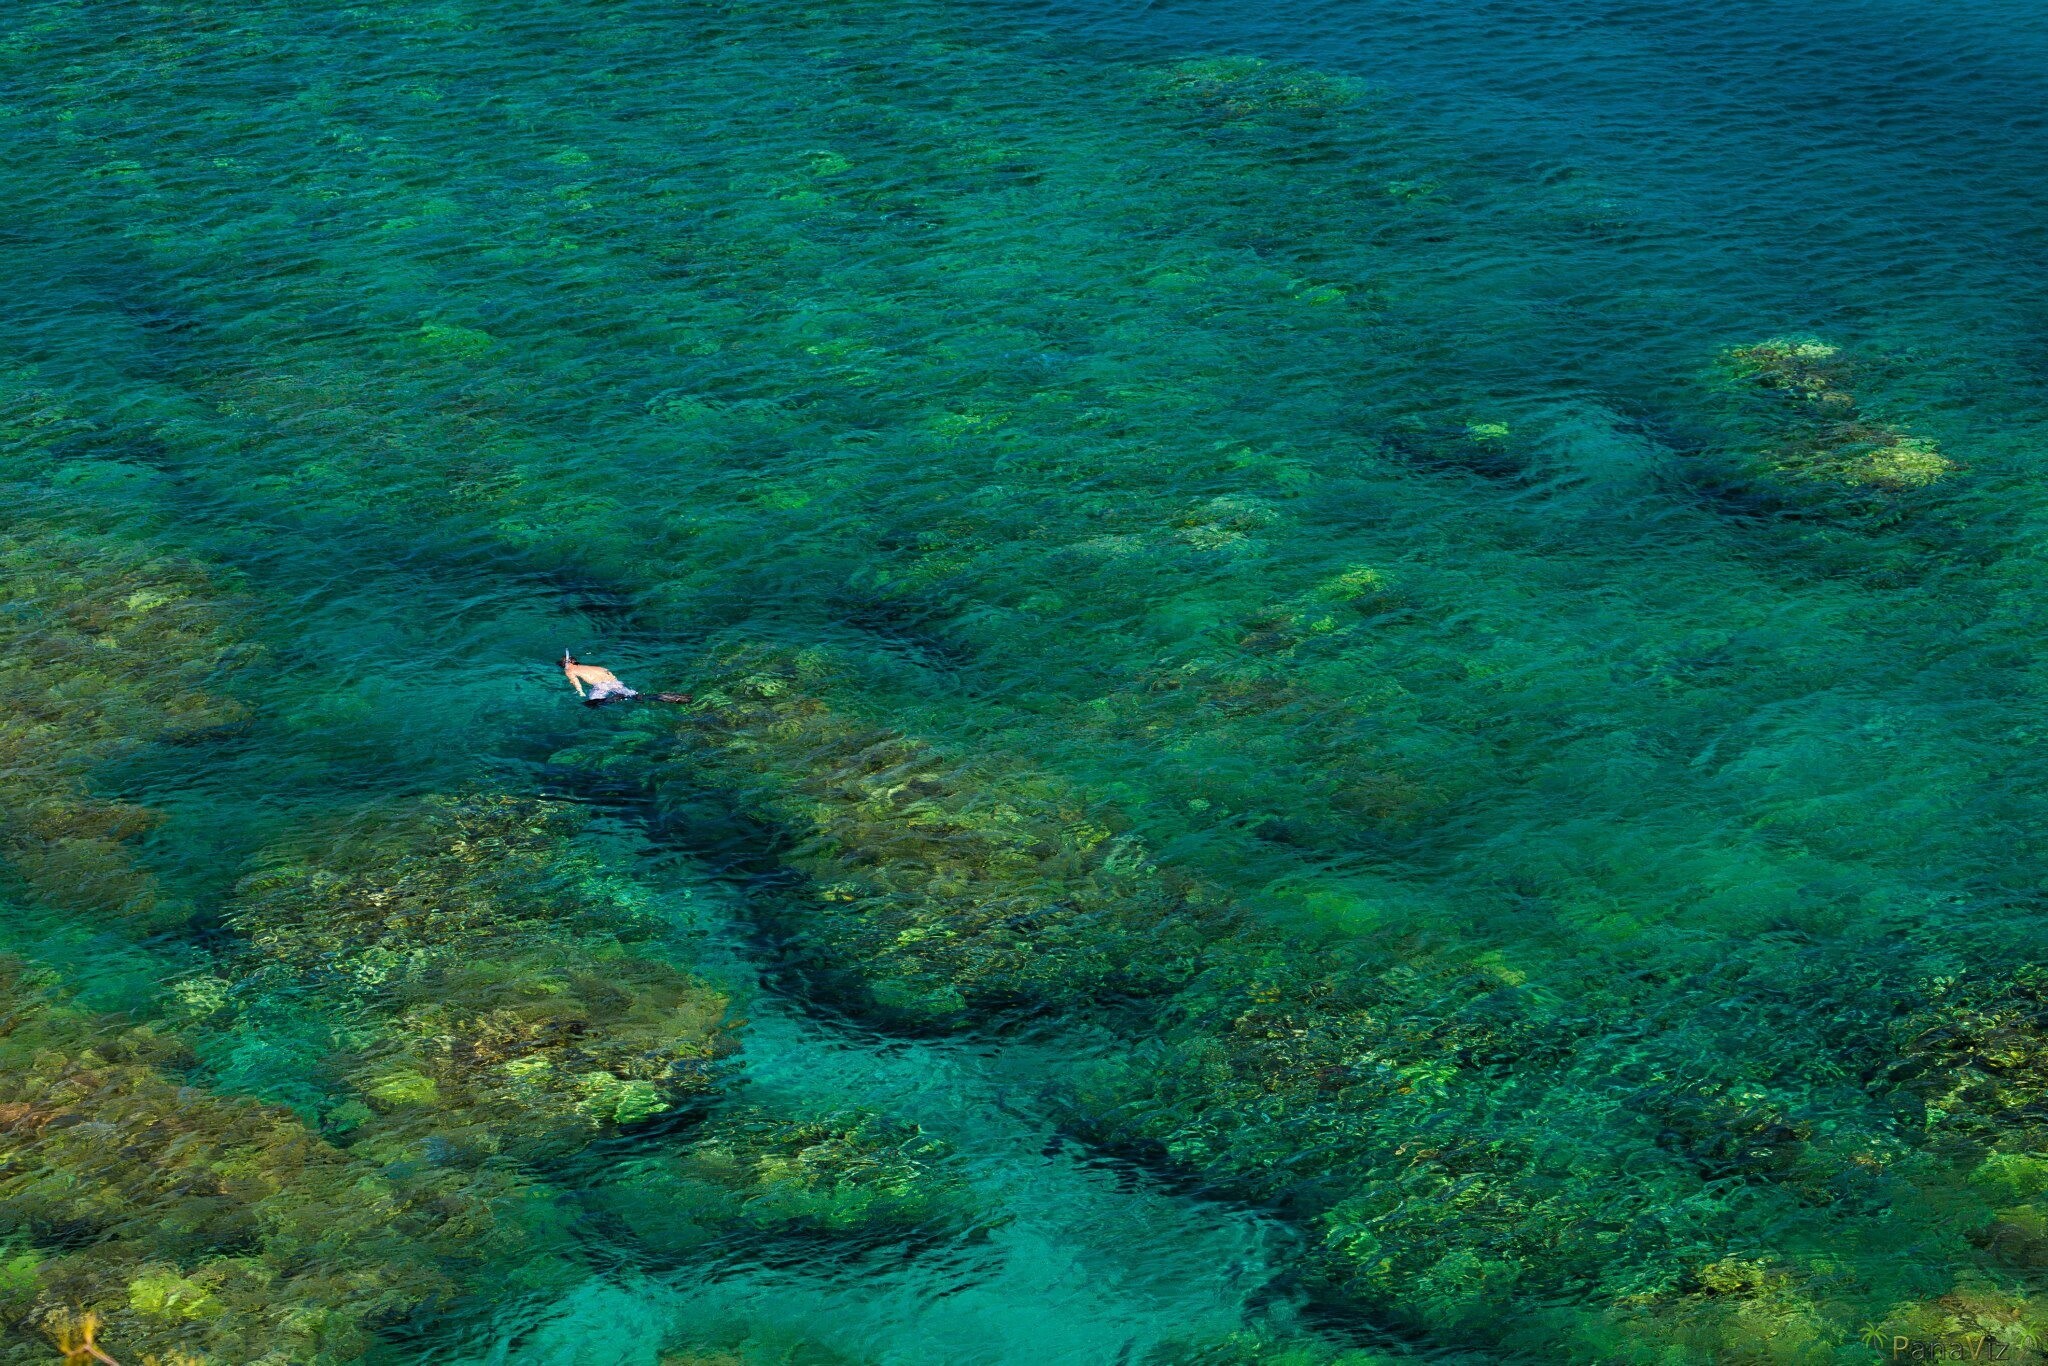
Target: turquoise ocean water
(1362,682)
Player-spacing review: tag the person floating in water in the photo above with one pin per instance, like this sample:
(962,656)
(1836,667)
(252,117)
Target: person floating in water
(605,685)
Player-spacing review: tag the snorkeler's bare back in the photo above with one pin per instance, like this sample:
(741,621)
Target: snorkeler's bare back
(604,685)
(581,674)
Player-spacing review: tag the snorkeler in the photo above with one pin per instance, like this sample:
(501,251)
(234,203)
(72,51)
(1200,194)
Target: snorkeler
(605,685)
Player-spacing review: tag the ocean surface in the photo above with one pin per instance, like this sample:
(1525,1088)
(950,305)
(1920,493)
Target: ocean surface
(1359,682)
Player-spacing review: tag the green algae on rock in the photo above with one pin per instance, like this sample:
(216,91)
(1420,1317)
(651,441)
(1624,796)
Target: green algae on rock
(104,646)
(496,990)
(220,1228)
(957,890)
(749,1172)
(1823,434)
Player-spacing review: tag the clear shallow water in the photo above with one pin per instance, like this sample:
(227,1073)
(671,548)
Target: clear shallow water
(1092,1262)
(1292,467)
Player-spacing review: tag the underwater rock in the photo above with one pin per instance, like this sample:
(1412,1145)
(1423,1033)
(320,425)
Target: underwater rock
(1225,90)
(1808,426)
(957,890)
(1809,370)
(749,1171)
(499,996)
(1975,1056)
(104,647)
(221,1229)
(505,995)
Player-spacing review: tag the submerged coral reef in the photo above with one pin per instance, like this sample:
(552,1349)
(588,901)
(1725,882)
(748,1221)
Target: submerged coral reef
(196,1223)
(831,1175)
(103,647)
(420,991)
(1235,667)
(1821,432)
(1417,1108)
(487,978)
